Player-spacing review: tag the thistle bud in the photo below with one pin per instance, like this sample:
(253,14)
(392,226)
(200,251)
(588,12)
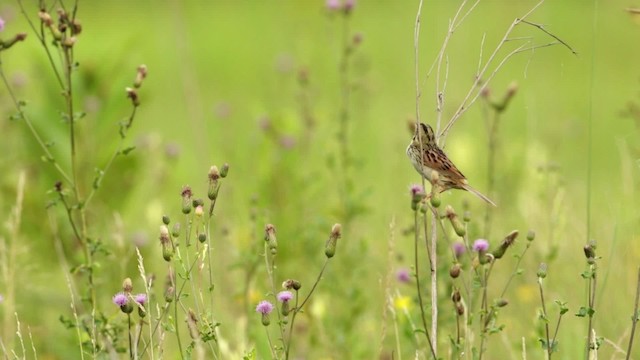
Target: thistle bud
(202,237)
(590,251)
(224,171)
(141,74)
(454,272)
(167,252)
(542,271)
(9,43)
(175,230)
(501,302)
(186,199)
(455,297)
(199,211)
(504,245)
(127,286)
(435,197)
(133,95)
(165,219)
(330,246)
(169,294)
(531,235)
(455,222)
(270,236)
(291,284)
(214,176)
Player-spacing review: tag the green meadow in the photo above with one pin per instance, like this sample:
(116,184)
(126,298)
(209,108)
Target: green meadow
(312,108)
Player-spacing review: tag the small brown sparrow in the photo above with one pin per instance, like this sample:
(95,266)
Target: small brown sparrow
(434,159)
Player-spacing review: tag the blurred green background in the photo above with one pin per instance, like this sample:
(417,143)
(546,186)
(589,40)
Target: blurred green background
(224,86)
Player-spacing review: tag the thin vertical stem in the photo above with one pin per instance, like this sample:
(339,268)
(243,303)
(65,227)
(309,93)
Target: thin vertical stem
(634,318)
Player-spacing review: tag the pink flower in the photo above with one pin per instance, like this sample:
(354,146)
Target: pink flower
(264,307)
(481,245)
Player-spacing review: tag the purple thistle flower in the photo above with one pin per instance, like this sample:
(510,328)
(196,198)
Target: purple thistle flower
(458,249)
(264,307)
(1,24)
(141,299)
(333,4)
(403,275)
(416,189)
(480,245)
(285,296)
(120,299)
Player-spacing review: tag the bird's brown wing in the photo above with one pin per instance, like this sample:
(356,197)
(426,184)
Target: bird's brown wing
(436,159)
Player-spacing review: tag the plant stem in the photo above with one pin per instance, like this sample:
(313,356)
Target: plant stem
(545,318)
(634,318)
(418,287)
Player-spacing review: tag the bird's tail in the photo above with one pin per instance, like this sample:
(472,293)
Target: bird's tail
(478,194)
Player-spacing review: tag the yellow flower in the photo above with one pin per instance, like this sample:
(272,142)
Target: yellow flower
(402,303)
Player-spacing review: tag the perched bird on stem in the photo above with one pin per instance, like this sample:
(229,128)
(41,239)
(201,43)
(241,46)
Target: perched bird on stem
(428,158)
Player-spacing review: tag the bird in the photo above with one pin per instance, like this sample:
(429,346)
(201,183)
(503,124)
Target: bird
(434,159)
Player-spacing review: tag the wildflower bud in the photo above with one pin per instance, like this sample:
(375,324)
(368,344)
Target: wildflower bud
(45,18)
(501,302)
(454,272)
(459,309)
(9,43)
(531,235)
(167,252)
(192,324)
(270,236)
(69,42)
(127,286)
(435,196)
(589,251)
(141,300)
(330,246)
(417,194)
(199,211)
(202,237)
(186,199)
(455,297)
(455,222)
(76,27)
(175,230)
(542,271)
(466,216)
(214,175)
(127,308)
(141,74)
(197,202)
(165,219)
(169,294)
(133,95)
(424,208)
(285,308)
(504,245)
(224,171)
(291,284)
